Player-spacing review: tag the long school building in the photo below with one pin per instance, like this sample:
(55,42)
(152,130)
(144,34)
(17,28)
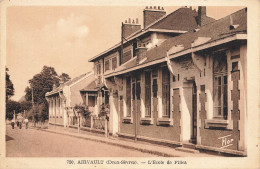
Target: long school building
(180,87)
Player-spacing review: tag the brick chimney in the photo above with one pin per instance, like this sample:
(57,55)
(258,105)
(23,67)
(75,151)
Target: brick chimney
(202,15)
(130,26)
(152,14)
(140,54)
(61,82)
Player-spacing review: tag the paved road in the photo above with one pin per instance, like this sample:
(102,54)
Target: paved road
(36,143)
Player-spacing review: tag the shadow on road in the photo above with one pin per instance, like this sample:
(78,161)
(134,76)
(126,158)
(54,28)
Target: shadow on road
(8,138)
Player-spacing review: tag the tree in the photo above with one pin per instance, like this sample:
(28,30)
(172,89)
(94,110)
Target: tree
(26,105)
(12,106)
(64,77)
(9,87)
(40,84)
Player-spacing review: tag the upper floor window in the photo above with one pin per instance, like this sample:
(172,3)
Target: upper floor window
(110,63)
(107,66)
(98,68)
(114,63)
(127,54)
(220,85)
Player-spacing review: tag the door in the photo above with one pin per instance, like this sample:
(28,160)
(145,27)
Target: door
(194,113)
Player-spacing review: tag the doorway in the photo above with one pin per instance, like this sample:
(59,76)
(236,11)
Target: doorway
(194,113)
(189,111)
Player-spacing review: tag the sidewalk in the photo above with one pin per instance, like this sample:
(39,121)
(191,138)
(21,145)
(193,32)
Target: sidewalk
(139,146)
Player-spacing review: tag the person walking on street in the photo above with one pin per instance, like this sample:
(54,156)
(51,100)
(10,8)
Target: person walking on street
(12,123)
(20,123)
(26,123)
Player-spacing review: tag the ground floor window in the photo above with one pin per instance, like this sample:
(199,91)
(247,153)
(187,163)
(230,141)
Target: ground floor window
(148,94)
(220,85)
(91,101)
(128,96)
(165,92)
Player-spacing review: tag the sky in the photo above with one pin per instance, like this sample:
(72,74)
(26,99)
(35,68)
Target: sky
(65,37)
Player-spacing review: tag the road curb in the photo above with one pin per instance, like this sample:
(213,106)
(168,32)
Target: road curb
(110,142)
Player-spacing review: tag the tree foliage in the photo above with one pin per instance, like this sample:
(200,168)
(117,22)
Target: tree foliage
(9,87)
(26,105)
(12,106)
(40,84)
(64,77)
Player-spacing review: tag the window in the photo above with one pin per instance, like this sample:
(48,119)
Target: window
(234,66)
(165,92)
(155,85)
(155,88)
(127,54)
(107,66)
(220,85)
(138,90)
(98,68)
(147,94)
(128,96)
(114,63)
(91,101)
(111,64)
(106,97)
(138,86)
(134,49)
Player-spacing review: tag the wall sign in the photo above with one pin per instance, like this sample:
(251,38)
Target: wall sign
(226,141)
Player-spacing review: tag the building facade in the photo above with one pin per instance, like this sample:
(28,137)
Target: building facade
(179,83)
(180,80)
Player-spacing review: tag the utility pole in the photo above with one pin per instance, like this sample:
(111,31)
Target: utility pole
(122,36)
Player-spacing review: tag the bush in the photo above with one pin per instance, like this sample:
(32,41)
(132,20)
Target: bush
(82,109)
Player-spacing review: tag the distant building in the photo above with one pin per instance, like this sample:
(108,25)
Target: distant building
(62,100)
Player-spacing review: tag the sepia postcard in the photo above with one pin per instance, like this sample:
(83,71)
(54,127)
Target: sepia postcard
(129,84)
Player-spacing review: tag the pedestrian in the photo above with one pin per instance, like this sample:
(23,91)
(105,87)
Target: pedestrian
(12,123)
(20,123)
(26,123)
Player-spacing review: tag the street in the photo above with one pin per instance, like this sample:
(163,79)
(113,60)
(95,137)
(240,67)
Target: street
(36,143)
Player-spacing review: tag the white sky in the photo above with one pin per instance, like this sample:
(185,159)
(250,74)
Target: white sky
(66,37)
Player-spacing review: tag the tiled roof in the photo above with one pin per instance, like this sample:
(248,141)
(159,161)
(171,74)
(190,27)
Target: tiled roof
(216,30)
(90,87)
(182,19)
(75,79)
(57,89)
